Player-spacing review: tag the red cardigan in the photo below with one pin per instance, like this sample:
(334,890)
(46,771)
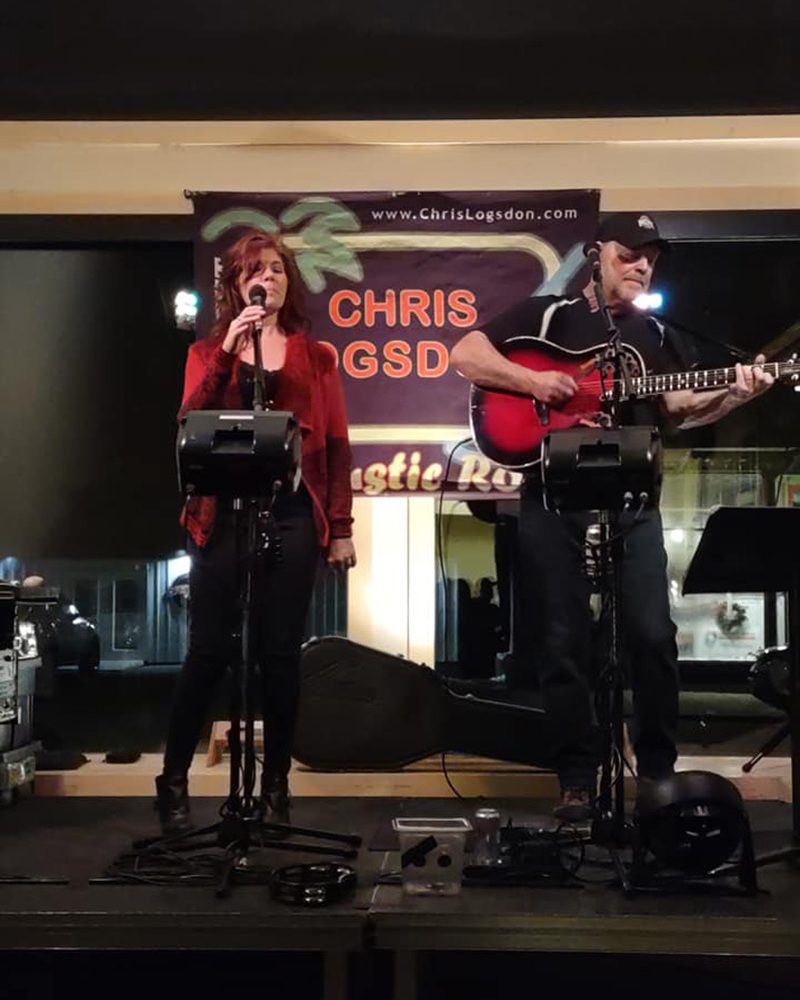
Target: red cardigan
(310,387)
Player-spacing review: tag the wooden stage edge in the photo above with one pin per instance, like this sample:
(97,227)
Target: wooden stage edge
(471,776)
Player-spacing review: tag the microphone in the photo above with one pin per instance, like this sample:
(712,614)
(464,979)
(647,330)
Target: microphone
(257,296)
(591,251)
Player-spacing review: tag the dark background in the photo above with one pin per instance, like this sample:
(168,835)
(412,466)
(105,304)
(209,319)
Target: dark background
(91,370)
(745,294)
(198,59)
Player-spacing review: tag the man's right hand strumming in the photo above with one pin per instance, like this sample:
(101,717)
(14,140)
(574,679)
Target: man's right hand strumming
(239,331)
(478,360)
(553,388)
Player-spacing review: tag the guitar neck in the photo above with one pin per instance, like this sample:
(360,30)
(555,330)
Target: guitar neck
(713,378)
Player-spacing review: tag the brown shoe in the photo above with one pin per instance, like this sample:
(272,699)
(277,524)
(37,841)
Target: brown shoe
(575,805)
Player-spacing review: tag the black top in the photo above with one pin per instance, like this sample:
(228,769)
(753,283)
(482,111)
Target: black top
(570,323)
(247,385)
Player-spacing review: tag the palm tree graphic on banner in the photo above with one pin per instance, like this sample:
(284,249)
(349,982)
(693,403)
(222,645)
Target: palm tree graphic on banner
(317,249)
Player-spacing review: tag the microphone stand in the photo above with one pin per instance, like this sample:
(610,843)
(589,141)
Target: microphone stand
(258,542)
(608,827)
(259,389)
(612,354)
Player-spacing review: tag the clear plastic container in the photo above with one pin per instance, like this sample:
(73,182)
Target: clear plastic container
(432,854)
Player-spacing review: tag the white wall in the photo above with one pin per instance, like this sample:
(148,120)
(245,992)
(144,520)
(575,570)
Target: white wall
(143,167)
(391,597)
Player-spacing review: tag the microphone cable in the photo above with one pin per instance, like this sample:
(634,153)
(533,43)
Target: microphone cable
(312,884)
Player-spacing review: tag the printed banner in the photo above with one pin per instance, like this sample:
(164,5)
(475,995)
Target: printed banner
(392,281)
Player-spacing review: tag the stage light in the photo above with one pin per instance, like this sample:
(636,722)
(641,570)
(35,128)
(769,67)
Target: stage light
(649,300)
(677,536)
(186,305)
(178,566)
(692,823)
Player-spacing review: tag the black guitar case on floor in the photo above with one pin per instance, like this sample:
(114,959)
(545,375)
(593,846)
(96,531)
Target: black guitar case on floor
(364,709)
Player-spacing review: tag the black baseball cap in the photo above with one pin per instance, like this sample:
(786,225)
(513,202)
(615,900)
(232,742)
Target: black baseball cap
(631,229)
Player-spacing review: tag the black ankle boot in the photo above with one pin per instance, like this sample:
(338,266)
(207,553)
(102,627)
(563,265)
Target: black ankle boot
(172,803)
(275,799)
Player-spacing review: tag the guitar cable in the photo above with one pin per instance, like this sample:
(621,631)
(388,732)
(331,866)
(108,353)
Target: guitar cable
(313,884)
(445,589)
(440,532)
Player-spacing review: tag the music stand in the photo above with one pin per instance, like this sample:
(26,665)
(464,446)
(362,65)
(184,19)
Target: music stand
(752,550)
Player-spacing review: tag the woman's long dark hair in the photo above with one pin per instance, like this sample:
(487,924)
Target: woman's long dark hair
(243,257)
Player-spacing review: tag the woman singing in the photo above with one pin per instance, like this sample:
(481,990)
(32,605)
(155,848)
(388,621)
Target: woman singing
(300,376)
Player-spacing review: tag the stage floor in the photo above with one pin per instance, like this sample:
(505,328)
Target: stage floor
(76,838)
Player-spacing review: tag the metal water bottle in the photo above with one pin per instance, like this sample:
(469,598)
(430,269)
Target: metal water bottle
(486,850)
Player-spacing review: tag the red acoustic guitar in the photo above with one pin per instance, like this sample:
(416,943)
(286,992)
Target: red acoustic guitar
(508,428)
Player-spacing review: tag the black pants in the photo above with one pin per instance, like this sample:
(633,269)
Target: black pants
(283,593)
(556,596)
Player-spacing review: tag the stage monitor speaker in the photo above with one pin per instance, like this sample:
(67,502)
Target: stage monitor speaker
(362,709)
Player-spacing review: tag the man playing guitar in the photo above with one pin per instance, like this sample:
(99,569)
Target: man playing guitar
(555,589)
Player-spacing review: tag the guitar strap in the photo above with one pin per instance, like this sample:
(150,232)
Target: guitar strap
(685,352)
(680,338)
